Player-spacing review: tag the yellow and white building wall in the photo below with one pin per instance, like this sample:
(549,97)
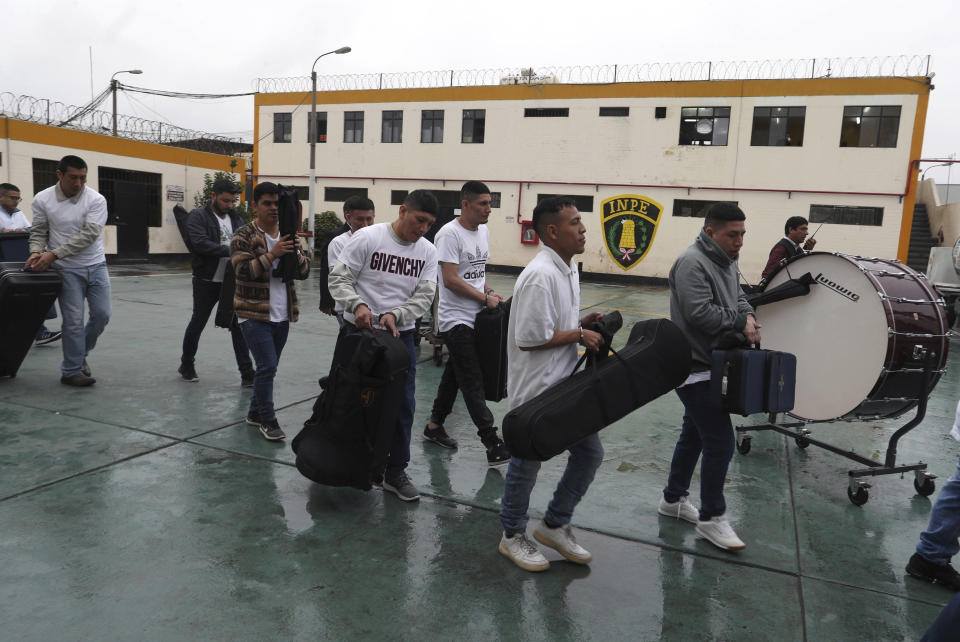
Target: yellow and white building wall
(178,172)
(636,155)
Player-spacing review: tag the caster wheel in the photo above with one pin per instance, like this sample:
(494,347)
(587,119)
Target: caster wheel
(860,497)
(802,443)
(926,488)
(743,446)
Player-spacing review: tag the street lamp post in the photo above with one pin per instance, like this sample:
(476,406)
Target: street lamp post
(113,88)
(311,241)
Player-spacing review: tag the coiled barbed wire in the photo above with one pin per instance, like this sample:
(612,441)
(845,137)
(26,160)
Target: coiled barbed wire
(48,112)
(777,69)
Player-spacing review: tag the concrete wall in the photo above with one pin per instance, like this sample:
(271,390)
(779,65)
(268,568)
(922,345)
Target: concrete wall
(944,219)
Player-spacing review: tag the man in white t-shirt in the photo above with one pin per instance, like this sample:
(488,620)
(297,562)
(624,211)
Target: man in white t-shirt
(542,339)
(463,247)
(210,228)
(359,213)
(386,277)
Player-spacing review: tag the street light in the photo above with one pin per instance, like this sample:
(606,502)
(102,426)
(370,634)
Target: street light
(113,88)
(313,144)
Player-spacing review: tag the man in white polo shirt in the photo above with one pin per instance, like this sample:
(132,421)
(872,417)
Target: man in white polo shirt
(542,339)
(463,247)
(359,213)
(386,277)
(68,221)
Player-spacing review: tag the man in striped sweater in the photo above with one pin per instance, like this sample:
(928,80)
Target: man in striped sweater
(264,303)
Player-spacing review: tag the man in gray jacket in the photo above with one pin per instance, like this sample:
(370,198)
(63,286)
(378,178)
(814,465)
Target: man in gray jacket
(706,301)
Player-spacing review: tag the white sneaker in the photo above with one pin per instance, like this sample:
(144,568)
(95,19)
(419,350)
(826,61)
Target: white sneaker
(561,539)
(680,509)
(719,533)
(522,552)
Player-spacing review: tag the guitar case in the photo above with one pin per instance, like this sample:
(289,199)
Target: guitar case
(655,360)
(25,300)
(490,329)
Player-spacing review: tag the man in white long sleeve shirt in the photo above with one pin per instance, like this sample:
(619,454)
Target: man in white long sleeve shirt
(68,220)
(386,276)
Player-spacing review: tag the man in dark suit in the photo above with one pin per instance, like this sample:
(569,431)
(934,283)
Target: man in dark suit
(795,230)
(210,229)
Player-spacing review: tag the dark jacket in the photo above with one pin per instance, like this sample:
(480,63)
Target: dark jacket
(783,250)
(326,299)
(204,233)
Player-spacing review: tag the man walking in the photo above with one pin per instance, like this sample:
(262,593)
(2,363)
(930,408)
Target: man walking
(68,220)
(463,247)
(211,228)
(705,302)
(542,339)
(359,213)
(266,304)
(386,277)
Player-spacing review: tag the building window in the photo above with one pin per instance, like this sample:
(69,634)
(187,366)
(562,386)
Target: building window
(282,127)
(874,126)
(778,126)
(845,215)
(303,192)
(392,131)
(584,203)
(321,127)
(340,194)
(546,112)
(44,174)
(431,126)
(474,124)
(614,111)
(353,127)
(397,197)
(704,125)
(695,209)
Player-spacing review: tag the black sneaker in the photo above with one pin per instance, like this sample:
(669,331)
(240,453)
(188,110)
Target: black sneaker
(48,337)
(498,455)
(925,570)
(246,381)
(188,372)
(253,418)
(402,488)
(439,436)
(271,430)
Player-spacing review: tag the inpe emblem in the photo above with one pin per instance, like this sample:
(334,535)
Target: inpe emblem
(629,227)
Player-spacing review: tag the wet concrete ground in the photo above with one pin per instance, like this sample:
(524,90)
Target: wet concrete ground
(145,508)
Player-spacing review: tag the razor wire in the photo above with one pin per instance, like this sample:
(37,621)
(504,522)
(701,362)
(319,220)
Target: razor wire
(774,69)
(57,114)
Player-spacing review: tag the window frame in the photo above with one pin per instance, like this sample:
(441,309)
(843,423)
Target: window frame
(321,117)
(887,121)
(823,214)
(794,123)
(283,131)
(475,117)
(353,118)
(431,125)
(391,126)
(688,125)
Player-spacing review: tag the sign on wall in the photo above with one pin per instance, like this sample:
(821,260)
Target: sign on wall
(629,227)
(175,193)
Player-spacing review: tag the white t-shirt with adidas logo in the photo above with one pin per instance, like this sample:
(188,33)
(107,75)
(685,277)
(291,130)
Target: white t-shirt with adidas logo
(470,251)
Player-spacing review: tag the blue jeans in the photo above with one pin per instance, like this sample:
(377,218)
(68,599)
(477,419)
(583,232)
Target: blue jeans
(206,296)
(706,430)
(585,457)
(91,283)
(266,341)
(939,542)
(399,455)
(944,628)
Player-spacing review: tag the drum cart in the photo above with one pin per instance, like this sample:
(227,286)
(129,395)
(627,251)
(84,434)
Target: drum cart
(857,487)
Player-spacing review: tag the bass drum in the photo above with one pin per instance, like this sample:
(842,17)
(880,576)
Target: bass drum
(860,335)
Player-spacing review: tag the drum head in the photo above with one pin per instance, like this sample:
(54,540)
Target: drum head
(838,333)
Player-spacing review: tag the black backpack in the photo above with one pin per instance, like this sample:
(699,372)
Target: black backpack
(346,440)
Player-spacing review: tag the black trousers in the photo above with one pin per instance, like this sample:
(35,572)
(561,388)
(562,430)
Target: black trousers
(463,372)
(206,295)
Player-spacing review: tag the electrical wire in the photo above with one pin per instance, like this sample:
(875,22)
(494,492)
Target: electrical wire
(179,94)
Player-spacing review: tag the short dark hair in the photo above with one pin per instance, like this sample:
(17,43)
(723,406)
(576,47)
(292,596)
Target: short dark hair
(472,189)
(720,214)
(8,187)
(421,200)
(793,223)
(265,188)
(357,202)
(70,161)
(225,186)
(546,211)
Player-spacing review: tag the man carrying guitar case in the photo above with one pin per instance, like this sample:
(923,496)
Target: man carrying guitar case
(346,440)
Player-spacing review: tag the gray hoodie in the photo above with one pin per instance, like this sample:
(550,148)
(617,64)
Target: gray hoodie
(705,297)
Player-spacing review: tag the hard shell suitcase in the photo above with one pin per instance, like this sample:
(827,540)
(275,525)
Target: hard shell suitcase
(347,438)
(14,246)
(748,382)
(490,328)
(25,299)
(655,360)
